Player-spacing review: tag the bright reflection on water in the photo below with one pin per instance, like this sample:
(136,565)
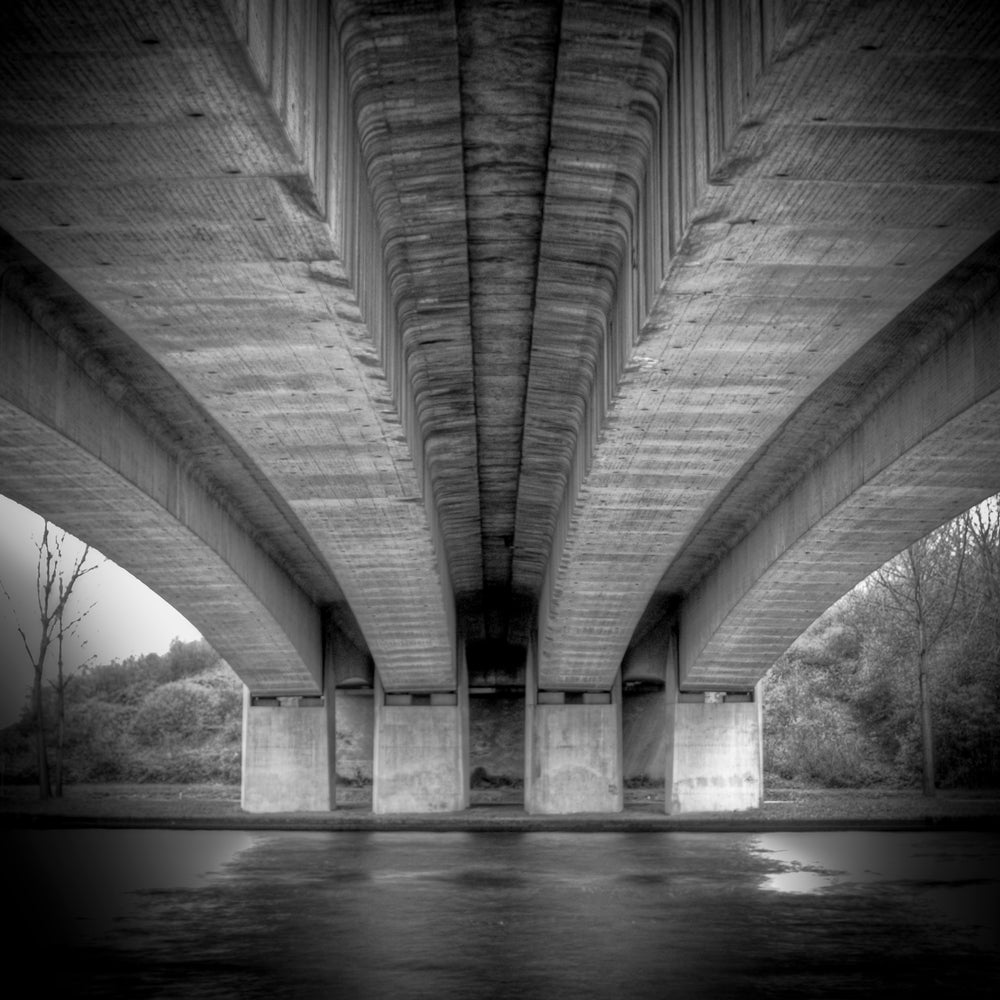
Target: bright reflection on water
(227,914)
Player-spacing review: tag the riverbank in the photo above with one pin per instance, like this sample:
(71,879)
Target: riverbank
(218,807)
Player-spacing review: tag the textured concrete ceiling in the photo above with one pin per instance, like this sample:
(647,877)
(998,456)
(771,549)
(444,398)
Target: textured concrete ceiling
(503,306)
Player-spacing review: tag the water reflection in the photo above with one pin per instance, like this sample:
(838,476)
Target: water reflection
(957,876)
(214,914)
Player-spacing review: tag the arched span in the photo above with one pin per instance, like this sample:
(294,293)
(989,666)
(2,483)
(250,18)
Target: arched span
(806,233)
(77,449)
(918,448)
(218,209)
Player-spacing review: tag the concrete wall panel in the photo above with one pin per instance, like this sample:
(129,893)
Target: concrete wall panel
(576,759)
(418,759)
(288,758)
(715,758)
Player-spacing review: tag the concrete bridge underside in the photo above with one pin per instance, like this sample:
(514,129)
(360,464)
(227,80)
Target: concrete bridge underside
(421,344)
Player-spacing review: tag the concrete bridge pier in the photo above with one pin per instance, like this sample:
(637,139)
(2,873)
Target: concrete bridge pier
(288,753)
(290,738)
(714,739)
(421,748)
(289,748)
(715,760)
(572,749)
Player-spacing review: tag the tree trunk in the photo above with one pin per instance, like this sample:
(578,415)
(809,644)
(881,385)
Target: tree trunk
(926,729)
(44,788)
(60,709)
(59,744)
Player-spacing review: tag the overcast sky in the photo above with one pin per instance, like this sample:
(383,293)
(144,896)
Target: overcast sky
(127,617)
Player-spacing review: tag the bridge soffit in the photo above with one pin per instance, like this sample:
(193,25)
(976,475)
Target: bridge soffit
(783,272)
(287,336)
(659,148)
(384,168)
(920,451)
(80,449)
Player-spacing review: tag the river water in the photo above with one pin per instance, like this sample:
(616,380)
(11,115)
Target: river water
(159,913)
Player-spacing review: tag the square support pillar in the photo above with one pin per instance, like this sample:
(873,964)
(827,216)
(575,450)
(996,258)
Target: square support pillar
(573,751)
(421,754)
(714,754)
(288,754)
(289,749)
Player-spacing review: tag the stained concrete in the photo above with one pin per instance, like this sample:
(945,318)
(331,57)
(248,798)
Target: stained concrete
(572,749)
(574,762)
(644,735)
(418,760)
(713,757)
(421,752)
(288,757)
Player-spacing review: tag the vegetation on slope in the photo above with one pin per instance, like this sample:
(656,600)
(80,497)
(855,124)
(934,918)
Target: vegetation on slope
(174,717)
(843,706)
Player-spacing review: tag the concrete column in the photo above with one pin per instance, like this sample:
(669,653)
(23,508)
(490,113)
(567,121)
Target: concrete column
(421,753)
(714,749)
(289,748)
(573,749)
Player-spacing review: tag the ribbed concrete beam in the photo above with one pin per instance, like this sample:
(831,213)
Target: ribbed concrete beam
(508,59)
(647,99)
(76,450)
(771,290)
(922,455)
(607,100)
(196,174)
(401,68)
(517,308)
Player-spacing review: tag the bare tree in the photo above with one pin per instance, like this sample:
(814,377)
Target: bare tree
(59,685)
(55,581)
(922,584)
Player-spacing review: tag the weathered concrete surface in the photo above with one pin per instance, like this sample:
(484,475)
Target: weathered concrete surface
(146,163)
(713,757)
(288,757)
(920,448)
(574,763)
(421,754)
(503,304)
(834,174)
(78,450)
(534,323)
(572,750)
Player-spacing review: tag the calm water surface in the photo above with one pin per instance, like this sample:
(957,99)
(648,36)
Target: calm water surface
(147,913)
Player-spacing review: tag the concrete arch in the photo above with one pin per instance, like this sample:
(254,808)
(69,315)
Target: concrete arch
(75,454)
(924,453)
(770,293)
